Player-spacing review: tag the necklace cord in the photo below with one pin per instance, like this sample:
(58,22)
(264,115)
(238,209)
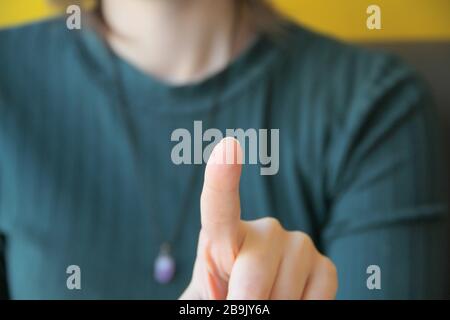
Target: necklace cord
(121,96)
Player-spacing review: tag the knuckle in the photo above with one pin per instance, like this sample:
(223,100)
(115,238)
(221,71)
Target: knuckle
(330,267)
(303,246)
(268,229)
(271,229)
(270,223)
(302,240)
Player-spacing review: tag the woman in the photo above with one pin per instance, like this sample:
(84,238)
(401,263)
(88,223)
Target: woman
(92,205)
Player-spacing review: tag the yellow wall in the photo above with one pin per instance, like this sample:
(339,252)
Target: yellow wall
(401,19)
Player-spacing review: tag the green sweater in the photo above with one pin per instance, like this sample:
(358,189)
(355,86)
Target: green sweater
(86,180)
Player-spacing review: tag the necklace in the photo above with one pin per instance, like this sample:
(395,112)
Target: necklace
(164,264)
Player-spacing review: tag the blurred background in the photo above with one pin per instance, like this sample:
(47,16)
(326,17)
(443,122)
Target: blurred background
(417,30)
(404,20)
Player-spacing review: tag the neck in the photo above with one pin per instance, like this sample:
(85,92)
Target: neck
(179,41)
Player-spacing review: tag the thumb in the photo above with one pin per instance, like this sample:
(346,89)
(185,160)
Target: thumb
(220,204)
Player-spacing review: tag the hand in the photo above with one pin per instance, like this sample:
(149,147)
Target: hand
(251,259)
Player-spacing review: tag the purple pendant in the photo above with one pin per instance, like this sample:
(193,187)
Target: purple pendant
(164,266)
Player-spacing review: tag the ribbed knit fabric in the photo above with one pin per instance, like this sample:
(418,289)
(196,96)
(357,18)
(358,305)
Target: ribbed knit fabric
(88,181)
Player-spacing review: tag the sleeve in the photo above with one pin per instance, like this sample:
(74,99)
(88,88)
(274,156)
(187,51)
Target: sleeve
(3,279)
(388,193)
(3,282)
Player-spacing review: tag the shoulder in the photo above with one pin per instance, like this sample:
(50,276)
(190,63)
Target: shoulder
(346,80)
(334,98)
(30,39)
(34,57)
(30,49)
(329,56)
